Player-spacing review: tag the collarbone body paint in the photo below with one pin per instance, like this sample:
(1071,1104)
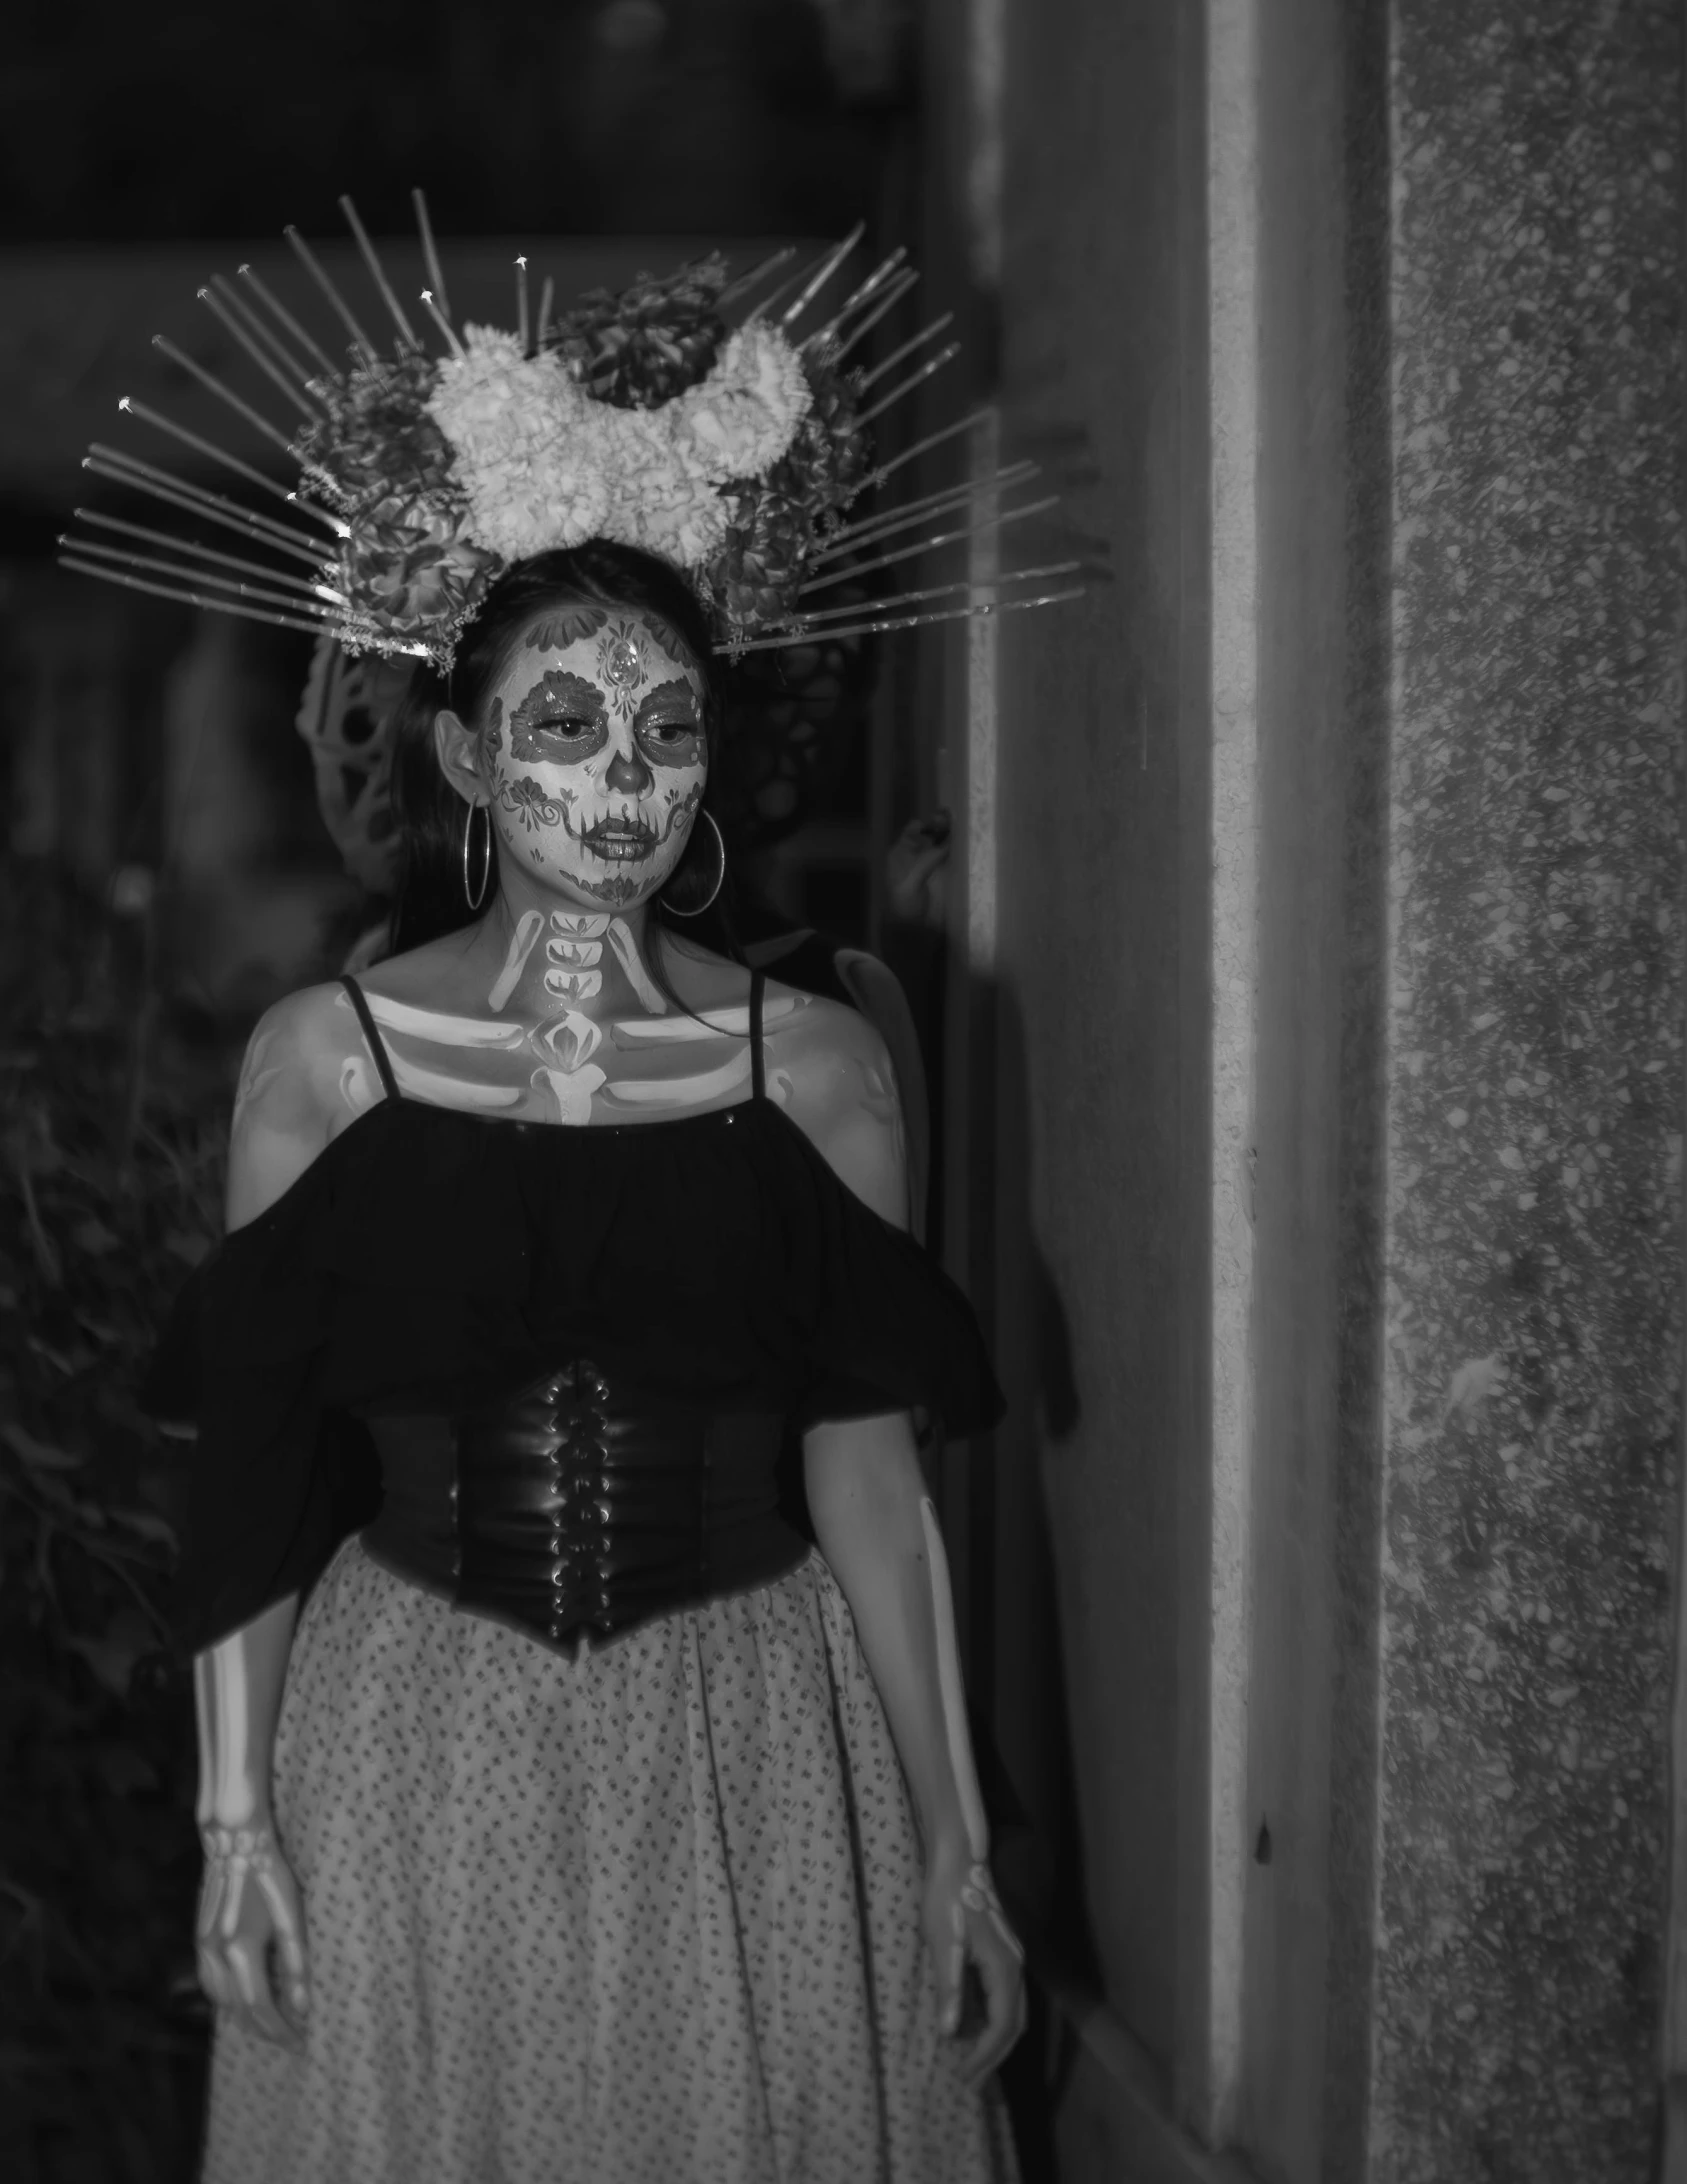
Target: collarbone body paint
(593,758)
(576,1024)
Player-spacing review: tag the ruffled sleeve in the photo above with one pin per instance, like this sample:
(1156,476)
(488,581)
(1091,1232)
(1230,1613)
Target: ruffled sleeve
(882,1326)
(272,1480)
(433,1254)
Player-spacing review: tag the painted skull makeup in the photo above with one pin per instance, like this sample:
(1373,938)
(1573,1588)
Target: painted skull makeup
(596,756)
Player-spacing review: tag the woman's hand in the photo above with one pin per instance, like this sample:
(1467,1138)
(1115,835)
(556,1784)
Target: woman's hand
(965,1925)
(251,1925)
(912,864)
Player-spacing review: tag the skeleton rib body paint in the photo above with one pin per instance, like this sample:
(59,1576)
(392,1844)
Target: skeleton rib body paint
(592,758)
(556,1058)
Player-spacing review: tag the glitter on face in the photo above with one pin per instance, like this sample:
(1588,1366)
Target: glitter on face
(622,663)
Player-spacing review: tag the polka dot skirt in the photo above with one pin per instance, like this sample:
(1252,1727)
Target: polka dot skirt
(651,1917)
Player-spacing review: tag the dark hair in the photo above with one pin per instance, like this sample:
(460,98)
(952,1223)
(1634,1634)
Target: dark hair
(428,810)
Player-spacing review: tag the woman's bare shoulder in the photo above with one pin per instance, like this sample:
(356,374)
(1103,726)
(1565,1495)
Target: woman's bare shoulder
(831,1071)
(293,1095)
(827,1041)
(307,1035)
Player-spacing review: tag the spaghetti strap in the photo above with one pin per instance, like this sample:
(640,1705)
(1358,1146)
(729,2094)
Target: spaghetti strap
(758,1068)
(377,1046)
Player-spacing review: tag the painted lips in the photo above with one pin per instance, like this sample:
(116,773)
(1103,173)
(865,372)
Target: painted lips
(619,841)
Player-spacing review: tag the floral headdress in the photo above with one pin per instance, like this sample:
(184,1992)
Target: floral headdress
(735,452)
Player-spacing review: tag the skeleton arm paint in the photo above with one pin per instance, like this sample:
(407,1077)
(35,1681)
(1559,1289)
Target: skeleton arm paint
(237,1699)
(248,1894)
(248,1898)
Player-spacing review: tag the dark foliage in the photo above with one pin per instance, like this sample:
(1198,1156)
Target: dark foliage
(111,1128)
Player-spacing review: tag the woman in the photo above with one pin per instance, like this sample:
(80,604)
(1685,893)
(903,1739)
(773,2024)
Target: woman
(586,1823)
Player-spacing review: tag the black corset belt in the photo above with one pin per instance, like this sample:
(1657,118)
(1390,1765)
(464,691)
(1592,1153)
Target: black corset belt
(579,1507)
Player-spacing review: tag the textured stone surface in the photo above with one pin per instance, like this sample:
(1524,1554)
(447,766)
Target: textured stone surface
(1533,1336)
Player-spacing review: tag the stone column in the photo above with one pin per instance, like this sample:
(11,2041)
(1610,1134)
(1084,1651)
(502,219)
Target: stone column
(1339,984)
(1531,1386)
(1468,1269)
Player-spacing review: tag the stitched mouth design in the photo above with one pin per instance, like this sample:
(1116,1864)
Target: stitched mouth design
(624,841)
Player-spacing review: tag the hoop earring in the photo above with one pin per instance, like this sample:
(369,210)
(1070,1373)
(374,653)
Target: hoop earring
(720,876)
(475,897)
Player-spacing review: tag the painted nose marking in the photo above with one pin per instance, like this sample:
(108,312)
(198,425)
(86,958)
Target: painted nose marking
(629,774)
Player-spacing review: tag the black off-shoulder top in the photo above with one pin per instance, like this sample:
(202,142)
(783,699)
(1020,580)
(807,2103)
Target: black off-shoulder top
(440,1254)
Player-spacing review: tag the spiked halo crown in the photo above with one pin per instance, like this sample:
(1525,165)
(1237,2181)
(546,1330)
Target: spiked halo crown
(693,416)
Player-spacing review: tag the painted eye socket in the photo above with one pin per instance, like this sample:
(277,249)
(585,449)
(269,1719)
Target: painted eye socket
(570,726)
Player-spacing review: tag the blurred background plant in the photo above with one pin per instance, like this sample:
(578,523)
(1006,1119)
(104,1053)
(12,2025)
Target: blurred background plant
(112,1115)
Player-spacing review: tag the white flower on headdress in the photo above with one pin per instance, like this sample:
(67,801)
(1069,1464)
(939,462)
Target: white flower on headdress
(739,420)
(679,517)
(525,456)
(654,501)
(544,465)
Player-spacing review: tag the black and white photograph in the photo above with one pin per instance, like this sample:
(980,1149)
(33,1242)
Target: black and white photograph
(843,1061)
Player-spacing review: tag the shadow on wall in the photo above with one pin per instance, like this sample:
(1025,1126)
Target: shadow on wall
(1020,1679)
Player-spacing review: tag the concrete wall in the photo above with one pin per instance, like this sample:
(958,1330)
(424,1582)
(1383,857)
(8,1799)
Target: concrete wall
(1468,1270)
(1322,454)
(1532,1405)
(1099,973)
(1465,1464)
(1333,1032)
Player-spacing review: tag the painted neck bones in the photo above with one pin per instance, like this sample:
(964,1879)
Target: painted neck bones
(595,755)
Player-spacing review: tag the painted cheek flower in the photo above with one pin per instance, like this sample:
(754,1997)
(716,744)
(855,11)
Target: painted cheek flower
(526,798)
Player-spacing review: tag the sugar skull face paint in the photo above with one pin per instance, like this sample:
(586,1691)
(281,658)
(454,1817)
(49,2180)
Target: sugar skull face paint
(595,755)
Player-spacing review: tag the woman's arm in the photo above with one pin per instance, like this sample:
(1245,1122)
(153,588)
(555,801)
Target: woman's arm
(878,1531)
(249,1902)
(867,1497)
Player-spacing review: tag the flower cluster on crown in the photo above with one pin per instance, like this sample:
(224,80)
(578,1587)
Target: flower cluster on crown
(638,418)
